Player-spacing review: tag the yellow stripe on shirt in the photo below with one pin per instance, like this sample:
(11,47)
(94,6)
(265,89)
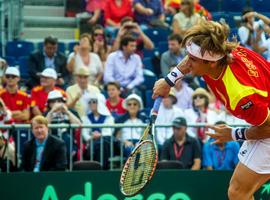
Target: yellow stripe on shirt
(236,91)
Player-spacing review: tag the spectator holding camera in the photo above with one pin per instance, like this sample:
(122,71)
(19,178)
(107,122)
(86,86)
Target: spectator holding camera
(128,27)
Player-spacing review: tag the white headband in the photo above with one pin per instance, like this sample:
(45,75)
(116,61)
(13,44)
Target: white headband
(195,50)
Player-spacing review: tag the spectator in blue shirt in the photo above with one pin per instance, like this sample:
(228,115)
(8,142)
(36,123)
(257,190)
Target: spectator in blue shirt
(222,156)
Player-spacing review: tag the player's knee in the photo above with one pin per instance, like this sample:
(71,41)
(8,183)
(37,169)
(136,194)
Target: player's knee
(233,192)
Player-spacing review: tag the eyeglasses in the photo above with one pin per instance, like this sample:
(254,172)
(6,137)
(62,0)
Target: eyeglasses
(199,96)
(132,104)
(10,76)
(94,101)
(55,101)
(99,34)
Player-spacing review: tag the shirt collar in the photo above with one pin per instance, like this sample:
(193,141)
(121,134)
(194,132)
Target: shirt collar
(41,144)
(121,55)
(47,56)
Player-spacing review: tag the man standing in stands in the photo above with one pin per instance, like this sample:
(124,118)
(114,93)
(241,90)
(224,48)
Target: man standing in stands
(125,66)
(49,57)
(44,152)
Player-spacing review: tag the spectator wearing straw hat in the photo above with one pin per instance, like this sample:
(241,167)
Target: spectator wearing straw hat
(79,93)
(39,94)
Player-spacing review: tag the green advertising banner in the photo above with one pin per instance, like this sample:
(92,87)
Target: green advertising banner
(104,185)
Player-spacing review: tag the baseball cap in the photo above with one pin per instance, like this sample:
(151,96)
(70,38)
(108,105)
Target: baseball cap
(49,73)
(12,71)
(55,94)
(179,122)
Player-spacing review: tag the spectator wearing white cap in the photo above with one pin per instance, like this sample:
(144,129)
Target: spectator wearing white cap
(15,100)
(58,113)
(48,57)
(39,94)
(99,114)
(133,104)
(79,93)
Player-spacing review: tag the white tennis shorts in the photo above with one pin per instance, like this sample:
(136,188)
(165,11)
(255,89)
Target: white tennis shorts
(255,154)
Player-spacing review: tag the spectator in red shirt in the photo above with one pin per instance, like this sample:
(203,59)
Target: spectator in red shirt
(15,100)
(114,101)
(95,7)
(39,94)
(114,12)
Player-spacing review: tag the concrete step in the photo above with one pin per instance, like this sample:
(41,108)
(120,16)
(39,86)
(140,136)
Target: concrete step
(49,11)
(45,2)
(38,34)
(35,21)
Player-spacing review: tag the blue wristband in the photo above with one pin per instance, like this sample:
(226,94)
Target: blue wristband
(239,134)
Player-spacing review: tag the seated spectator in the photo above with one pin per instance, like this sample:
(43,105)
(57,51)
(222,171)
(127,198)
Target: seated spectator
(83,57)
(174,54)
(251,32)
(96,9)
(167,113)
(58,113)
(182,147)
(183,94)
(49,57)
(3,67)
(125,66)
(44,152)
(115,11)
(130,136)
(200,113)
(114,102)
(149,13)
(99,114)
(99,43)
(17,101)
(185,18)
(79,93)
(222,156)
(128,27)
(7,144)
(39,94)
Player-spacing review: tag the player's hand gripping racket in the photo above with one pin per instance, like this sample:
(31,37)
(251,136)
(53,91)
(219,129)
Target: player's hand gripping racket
(141,164)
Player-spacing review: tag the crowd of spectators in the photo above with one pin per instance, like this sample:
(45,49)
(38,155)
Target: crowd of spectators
(103,80)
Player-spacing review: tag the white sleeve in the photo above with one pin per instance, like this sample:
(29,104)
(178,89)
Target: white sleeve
(243,34)
(86,131)
(70,56)
(108,131)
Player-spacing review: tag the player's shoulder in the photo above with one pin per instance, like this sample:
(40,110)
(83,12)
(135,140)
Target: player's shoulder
(3,91)
(22,93)
(37,88)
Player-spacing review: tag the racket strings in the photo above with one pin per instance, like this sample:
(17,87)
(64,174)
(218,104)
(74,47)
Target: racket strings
(139,168)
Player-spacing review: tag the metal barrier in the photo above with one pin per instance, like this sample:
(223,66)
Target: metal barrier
(23,131)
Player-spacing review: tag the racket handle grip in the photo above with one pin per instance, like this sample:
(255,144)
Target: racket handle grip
(156,105)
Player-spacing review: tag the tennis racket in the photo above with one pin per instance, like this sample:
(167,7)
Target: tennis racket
(141,164)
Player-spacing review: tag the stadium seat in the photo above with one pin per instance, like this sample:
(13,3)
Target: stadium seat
(149,79)
(147,63)
(23,67)
(71,46)
(86,165)
(19,48)
(211,5)
(150,53)
(260,5)
(149,102)
(169,19)
(11,61)
(162,46)
(61,46)
(233,5)
(157,35)
(170,164)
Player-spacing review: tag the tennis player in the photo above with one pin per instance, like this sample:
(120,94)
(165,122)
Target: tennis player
(240,78)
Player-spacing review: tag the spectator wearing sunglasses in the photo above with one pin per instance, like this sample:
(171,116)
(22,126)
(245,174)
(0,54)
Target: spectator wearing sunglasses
(39,94)
(99,43)
(201,113)
(98,114)
(17,101)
